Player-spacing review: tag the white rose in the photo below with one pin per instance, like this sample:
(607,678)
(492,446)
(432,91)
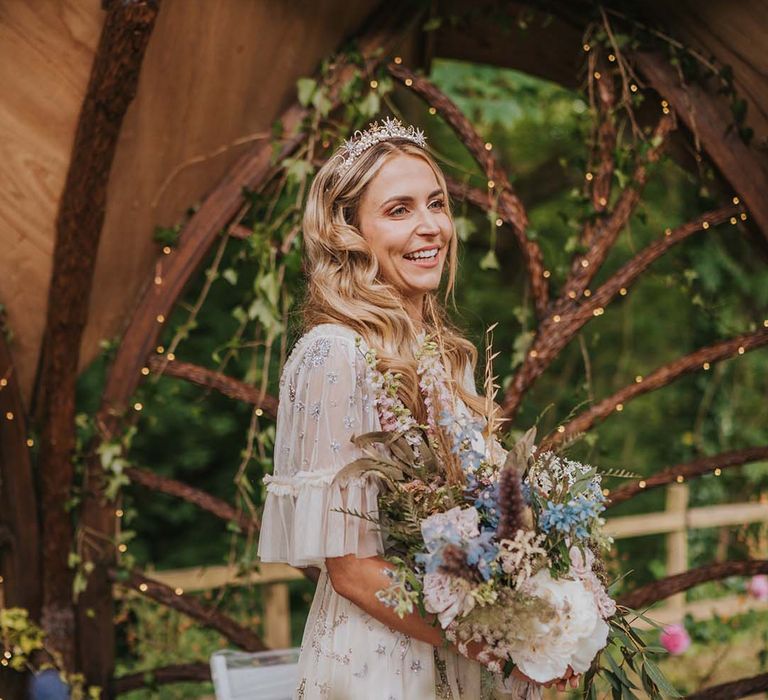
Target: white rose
(573,637)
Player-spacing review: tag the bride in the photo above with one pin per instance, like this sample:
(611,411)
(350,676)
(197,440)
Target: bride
(378,236)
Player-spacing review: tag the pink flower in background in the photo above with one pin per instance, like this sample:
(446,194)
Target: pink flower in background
(675,639)
(758,587)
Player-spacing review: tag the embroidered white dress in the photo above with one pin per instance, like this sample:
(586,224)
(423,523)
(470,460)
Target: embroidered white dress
(345,654)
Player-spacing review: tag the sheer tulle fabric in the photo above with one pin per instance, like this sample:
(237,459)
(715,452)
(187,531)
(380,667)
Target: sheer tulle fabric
(346,654)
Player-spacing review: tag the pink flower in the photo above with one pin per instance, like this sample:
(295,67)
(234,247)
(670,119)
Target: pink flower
(758,587)
(675,639)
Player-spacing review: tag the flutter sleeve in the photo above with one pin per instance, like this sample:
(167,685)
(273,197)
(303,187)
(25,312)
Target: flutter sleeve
(324,401)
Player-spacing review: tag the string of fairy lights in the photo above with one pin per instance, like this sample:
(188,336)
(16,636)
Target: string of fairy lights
(556,318)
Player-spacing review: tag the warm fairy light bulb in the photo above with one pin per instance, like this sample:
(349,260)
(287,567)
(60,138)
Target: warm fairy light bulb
(638,378)
(718,471)
(705,225)
(633,87)
(586,47)
(160,349)
(588,176)
(374,84)
(119,513)
(560,428)
(138,406)
(556,318)
(259,412)
(145,371)
(123,548)
(491,184)
(585,263)
(158,280)
(705,365)
(680,479)
(171,356)
(598,311)
(743,216)
(546,274)
(167,249)
(734,220)
(9,415)
(178,591)
(408,82)
(587,292)
(611,57)
(741,350)
(623,291)
(603,201)
(398,60)
(160,318)
(432,111)
(642,484)
(533,353)
(3,382)
(619,407)
(606,492)
(571,294)
(664,103)
(735,200)
(597,75)
(667,231)
(143,587)
(30,442)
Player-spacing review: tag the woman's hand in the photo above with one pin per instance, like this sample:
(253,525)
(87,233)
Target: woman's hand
(569,678)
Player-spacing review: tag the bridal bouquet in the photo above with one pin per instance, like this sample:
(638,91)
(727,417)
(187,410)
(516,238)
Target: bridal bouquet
(503,547)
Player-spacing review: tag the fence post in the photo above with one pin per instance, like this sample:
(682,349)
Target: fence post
(677,543)
(277,615)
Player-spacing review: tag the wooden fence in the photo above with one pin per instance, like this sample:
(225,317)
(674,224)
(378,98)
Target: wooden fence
(674,521)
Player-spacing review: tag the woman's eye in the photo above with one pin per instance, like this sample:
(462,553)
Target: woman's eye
(439,203)
(397,211)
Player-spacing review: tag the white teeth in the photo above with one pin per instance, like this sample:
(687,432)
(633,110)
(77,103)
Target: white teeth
(422,254)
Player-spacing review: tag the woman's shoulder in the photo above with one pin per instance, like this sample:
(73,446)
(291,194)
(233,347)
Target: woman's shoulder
(317,343)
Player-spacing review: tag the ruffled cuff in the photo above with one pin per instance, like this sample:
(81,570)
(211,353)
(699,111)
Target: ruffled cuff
(301,528)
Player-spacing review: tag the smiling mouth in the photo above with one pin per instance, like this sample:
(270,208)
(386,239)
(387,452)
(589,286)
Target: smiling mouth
(423,254)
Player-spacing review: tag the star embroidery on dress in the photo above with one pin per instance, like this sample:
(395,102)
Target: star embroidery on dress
(335,446)
(349,422)
(333,377)
(416,666)
(318,352)
(381,649)
(315,410)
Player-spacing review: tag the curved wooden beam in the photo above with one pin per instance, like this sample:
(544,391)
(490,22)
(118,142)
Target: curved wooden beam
(189,605)
(659,590)
(710,118)
(205,501)
(688,470)
(202,376)
(111,89)
(660,377)
(177,673)
(500,197)
(558,329)
(733,690)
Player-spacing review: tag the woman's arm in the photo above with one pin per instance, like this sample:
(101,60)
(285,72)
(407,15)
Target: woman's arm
(359,579)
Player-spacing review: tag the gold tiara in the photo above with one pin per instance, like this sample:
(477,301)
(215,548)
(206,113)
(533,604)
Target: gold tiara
(361,141)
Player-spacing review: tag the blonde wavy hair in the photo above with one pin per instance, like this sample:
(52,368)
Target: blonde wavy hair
(345,285)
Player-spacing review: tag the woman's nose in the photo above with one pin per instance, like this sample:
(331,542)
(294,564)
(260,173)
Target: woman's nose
(427,224)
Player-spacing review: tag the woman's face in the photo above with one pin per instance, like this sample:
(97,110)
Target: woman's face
(403,217)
